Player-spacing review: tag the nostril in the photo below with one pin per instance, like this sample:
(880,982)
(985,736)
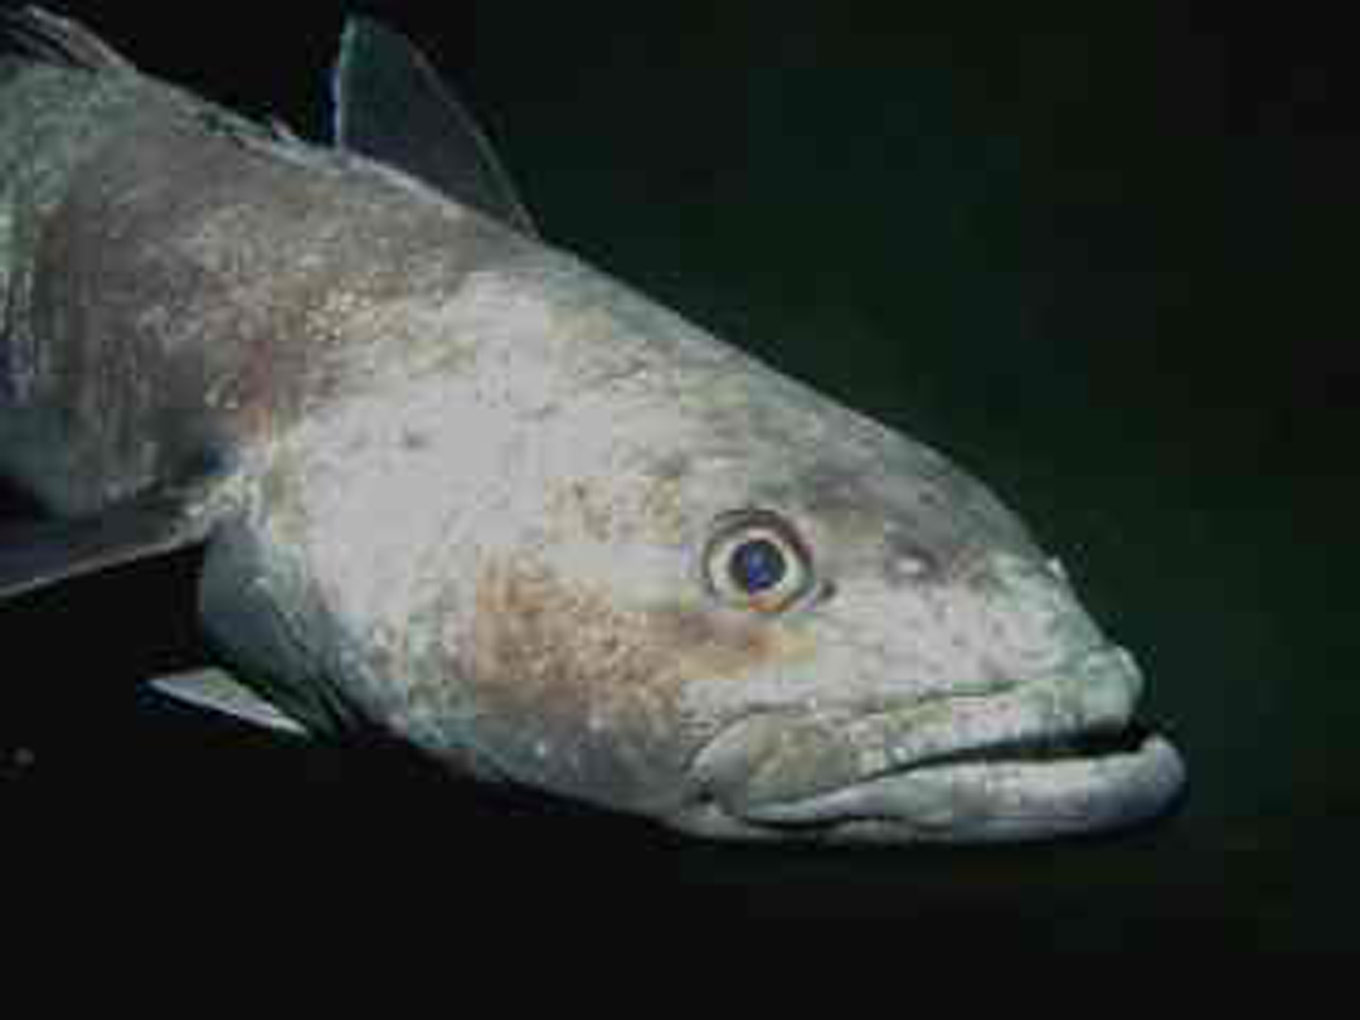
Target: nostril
(910,566)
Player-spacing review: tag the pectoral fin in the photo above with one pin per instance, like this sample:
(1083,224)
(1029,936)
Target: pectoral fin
(38,554)
(217,691)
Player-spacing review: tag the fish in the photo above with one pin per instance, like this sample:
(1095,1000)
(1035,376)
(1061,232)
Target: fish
(453,487)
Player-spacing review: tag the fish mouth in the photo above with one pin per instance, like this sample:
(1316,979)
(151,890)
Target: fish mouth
(1008,792)
(1049,758)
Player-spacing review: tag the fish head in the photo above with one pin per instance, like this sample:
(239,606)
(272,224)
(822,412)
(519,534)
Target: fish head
(778,619)
(664,579)
(886,657)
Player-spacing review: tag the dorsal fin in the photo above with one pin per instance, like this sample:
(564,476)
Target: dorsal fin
(392,106)
(40,35)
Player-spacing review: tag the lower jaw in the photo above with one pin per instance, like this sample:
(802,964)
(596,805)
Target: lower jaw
(984,801)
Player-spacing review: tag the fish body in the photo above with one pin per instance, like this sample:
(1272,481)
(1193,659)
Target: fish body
(454,485)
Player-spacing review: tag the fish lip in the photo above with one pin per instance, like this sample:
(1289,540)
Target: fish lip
(1056,755)
(972,799)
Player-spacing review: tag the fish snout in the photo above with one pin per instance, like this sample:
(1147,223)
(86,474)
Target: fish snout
(1058,753)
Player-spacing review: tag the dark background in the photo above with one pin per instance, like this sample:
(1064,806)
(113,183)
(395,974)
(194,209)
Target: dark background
(1103,256)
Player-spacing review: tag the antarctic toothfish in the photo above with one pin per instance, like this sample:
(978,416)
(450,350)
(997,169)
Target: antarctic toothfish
(455,487)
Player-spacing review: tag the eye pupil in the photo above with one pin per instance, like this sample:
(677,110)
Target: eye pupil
(756,561)
(757,566)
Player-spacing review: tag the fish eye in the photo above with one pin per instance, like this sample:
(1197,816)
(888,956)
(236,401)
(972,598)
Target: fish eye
(756,560)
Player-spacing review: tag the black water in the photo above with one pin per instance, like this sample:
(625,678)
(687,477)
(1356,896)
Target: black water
(1109,269)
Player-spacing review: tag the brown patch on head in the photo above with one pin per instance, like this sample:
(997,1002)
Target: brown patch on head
(578,694)
(710,644)
(563,689)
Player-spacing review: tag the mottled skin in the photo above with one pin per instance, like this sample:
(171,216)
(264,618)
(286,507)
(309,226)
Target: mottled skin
(178,285)
(460,487)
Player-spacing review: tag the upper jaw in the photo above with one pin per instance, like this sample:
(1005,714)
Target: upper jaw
(1051,756)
